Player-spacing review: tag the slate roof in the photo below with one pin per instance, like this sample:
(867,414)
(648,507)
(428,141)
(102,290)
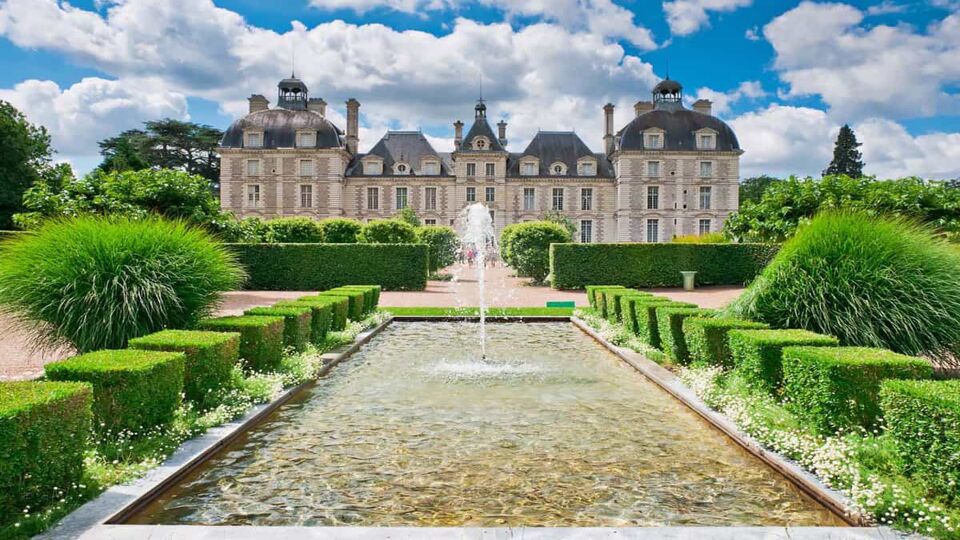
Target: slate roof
(481,127)
(280,127)
(406,146)
(563,146)
(680,126)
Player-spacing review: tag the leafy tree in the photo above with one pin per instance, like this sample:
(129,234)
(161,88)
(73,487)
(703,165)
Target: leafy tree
(25,156)
(847,158)
(408,215)
(530,247)
(339,230)
(293,230)
(169,144)
(443,242)
(558,217)
(388,231)
(752,189)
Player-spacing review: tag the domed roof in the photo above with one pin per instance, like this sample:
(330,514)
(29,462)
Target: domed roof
(680,127)
(280,128)
(668,86)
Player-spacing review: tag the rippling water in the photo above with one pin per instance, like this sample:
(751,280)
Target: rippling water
(551,430)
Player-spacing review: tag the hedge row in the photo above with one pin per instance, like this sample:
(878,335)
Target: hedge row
(261,338)
(574,266)
(309,267)
(758,354)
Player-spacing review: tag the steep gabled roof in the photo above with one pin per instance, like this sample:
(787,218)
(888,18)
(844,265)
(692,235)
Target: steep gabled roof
(407,146)
(482,128)
(559,146)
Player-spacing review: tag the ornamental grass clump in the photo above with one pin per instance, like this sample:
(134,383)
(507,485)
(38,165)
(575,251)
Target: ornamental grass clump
(869,281)
(95,282)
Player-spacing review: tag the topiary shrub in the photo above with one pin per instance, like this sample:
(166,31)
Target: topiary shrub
(261,338)
(355,302)
(297,323)
(44,428)
(293,230)
(133,390)
(628,312)
(758,354)
(209,359)
(592,292)
(673,341)
(371,295)
(387,231)
(838,388)
(923,417)
(339,305)
(645,315)
(530,247)
(96,282)
(339,230)
(707,339)
(506,243)
(870,281)
(443,242)
(611,307)
(321,315)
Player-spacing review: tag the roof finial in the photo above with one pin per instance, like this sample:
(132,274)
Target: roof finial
(293,60)
(668,67)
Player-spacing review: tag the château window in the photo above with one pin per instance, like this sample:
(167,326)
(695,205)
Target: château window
(471,169)
(588,168)
(480,144)
(586,231)
(706,196)
(429,222)
(253,195)
(306,167)
(471,194)
(490,194)
(373,168)
(402,168)
(558,169)
(306,196)
(706,169)
(704,227)
(653,231)
(706,142)
(529,169)
(307,139)
(586,199)
(654,141)
(653,197)
(529,198)
(401,198)
(558,198)
(430,198)
(653,168)
(431,168)
(373,198)
(254,140)
(491,169)
(253,167)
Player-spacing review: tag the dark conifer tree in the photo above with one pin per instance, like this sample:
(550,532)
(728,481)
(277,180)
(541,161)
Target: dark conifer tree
(847,158)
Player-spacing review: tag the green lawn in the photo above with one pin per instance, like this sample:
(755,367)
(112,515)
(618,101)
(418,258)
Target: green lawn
(473,311)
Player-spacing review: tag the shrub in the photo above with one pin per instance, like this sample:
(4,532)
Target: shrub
(261,338)
(293,230)
(709,238)
(339,230)
(408,215)
(610,304)
(574,266)
(530,247)
(321,315)
(371,295)
(210,358)
(318,267)
(758,354)
(924,419)
(339,306)
(96,282)
(387,231)
(443,242)
(707,338)
(44,427)
(297,323)
(645,315)
(354,302)
(869,281)
(670,328)
(628,308)
(837,388)
(592,296)
(132,390)
(506,241)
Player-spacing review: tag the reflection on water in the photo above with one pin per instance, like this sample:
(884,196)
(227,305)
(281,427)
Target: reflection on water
(551,430)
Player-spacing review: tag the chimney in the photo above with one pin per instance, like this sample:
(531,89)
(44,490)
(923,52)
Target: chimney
(317,105)
(258,103)
(353,125)
(704,106)
(608,128)
(502,129)
(642,106)
(457,134)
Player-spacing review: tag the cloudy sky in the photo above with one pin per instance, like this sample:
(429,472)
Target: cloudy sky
(784,74)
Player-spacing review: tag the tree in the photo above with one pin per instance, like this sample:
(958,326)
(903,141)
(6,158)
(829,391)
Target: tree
(25,156)
(752,189)
(558,217)
(388,231)
(168,144)
(443,242)
(847,158)
(408,215)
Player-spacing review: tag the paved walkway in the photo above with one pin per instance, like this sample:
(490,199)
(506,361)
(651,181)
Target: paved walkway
(19,361)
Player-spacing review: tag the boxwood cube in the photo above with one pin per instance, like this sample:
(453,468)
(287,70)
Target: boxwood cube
(673,341)
(339,305)
(44,428)
(592,293)
(838,388)
(261,338)
(133,390)
(321,313)
(210,357)
(757,354)
(924,419)
(371,294)
(628,311)
(645,315)
(611,302)
(707,338)
(297,321)
(354,302)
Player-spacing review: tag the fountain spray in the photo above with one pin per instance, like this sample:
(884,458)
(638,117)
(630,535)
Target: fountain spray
(476,232)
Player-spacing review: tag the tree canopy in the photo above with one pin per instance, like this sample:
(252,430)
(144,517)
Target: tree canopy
(847,158)
(168,144)
(25,158)
(751,189)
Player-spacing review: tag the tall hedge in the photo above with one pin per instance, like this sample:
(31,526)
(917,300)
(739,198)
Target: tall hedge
(317,267)
(528,245)
(574,266)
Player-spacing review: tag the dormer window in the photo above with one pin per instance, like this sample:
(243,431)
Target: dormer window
(373,167)
(307,139)
(481,143)
(529,168)
(401,168)
(706,142)
(431,168)
(254,140)
(653,141)
(587,168)
(558,169)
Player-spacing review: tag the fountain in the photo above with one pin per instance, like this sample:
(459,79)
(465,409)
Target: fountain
(475,227)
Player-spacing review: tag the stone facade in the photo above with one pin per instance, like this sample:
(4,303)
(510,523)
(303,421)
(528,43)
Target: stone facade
(671,171)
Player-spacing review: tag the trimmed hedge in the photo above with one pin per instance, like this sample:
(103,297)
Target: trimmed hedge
(261,338)
(317,267)
(611,307)
(757,354)
(592,289)
(707,338)
(574,266)
(321,320)
(837,388)
(210,357)
(339,305)
(645,316)
(628,312)
(670,327)
(133,390)
(924,419)
(297,323)
(44,428)
(371,295)
(354,302)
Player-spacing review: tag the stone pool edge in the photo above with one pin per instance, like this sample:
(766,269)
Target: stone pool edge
(669,382)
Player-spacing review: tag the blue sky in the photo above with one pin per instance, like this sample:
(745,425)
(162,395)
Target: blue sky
(784,74)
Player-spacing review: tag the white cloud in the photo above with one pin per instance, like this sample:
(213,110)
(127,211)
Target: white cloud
(687,16)
(860,72)
(886,7)
(889,148)
(92,109)
(722,101)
